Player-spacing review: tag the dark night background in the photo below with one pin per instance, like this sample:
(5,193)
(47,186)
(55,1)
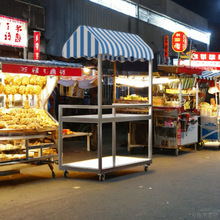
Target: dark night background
(209,9)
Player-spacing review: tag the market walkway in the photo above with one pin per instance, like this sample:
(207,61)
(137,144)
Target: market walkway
(183,187)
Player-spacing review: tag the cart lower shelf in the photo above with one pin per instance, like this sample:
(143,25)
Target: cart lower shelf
(109,164)
(13,167)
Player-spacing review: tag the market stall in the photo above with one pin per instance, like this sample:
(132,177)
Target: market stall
(103,44)
(28,133)
(175,105)
(209,110)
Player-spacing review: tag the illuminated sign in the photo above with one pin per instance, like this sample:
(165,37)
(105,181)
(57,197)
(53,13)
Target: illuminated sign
(204,60)
(206,56)
(179,41)
(36,45)
(41,70)
(13,32)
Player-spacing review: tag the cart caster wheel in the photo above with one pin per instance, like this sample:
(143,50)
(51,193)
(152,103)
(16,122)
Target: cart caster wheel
(200,145)
(53,174)
(145,168)
(66,174)
(101,177)
(177,152)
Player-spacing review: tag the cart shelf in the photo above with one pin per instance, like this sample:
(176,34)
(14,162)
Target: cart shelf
(106,118)
(108,164)
(36,159)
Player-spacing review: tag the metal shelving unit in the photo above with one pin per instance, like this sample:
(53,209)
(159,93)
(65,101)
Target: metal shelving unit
(113,46)
(39,159)
(102,165)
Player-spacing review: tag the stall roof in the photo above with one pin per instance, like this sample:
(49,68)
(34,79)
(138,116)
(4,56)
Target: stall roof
(89,42)
(209,75)
(180,69)
(39,62)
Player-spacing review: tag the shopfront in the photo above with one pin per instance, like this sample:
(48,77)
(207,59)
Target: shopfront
(28,133)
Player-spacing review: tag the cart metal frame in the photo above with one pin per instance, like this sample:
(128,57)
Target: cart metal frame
(117,162)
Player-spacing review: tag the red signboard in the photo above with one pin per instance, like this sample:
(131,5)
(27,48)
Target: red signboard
(13,32)
(166,46)
(206,56)
(179,41)
(36,45)
(41,70)
(189,70)
(205,60)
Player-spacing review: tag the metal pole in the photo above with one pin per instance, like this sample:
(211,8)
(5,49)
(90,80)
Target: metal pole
(60,137)
(114,82)
(113,138)
(180,93)
(178,59)
(25,53)
(197,94)
(190,53)
(99,87)
(100,112)
(150,127)
(216,101)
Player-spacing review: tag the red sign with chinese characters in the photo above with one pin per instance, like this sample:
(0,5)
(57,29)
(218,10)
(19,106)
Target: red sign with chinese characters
(36,45)
(166,46)
(41,70)
(206,56)
(13,32)
(179,41)
(206,60)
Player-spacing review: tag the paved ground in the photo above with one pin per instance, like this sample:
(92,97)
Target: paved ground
(183,187)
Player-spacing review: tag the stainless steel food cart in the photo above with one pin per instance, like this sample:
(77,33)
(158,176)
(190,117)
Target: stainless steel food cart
(127,46)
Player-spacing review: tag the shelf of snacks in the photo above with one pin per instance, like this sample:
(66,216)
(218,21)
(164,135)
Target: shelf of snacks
(133,99)
(27,132)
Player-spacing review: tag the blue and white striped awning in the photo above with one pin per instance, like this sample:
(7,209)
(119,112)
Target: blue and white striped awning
(88,42)
(208,75)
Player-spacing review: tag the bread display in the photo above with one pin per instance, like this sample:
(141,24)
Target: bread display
(3,157)
(22,90)
(25,80)
(8,79)
(1,88)
(7,89)
(14,84)
(21,120)
(32,118)
(16,80)
(32,79)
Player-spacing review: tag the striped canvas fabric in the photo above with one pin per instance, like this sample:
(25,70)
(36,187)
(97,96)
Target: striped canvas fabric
(208,75)
(89,41)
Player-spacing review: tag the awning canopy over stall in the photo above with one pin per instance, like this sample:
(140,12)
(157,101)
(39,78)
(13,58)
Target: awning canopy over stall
(88,42)
(208,75)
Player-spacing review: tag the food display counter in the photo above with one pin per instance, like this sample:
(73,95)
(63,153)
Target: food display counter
(209,123)
(28,133)
(174,129)
(175,124)
(175,114)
